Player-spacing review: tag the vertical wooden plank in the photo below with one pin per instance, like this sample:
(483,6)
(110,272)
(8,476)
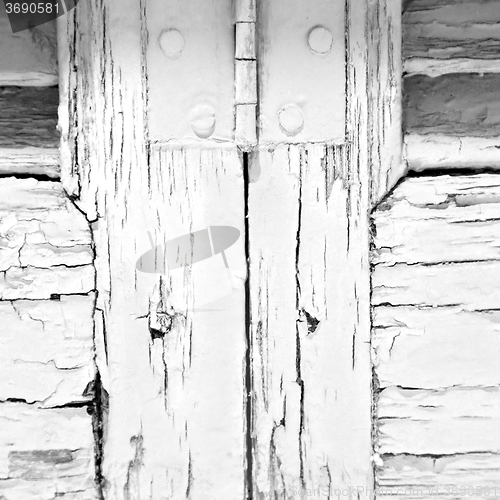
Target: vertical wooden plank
(310,324)
(384,55)
(309,277)
(172,361)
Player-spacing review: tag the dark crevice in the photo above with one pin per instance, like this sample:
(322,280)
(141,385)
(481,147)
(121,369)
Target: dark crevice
(75,404)
(387,456)
(37,177)
(248,341)
(436,172)
(298,349)
(99,417)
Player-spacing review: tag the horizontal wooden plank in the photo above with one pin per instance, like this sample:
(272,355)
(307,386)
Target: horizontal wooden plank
(28,57)
(430,151)
(439,422)
(436,348)
(438,67)
(46,453)
(45,242)
(450,29)
(46,353)
(30,161)
(463,105)
(29,117)
(411,477)
(439,219)
(472,285)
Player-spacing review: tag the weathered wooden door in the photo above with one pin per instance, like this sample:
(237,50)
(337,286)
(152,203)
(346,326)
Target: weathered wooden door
(257,136)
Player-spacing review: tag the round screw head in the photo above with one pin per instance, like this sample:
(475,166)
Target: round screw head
(171,42)
(320,40)
(203,121)
(291,119)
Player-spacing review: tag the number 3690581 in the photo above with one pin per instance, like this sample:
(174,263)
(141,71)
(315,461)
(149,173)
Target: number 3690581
(32,8)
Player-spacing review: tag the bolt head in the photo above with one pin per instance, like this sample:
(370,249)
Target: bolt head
(171,42)
(291,119)
(320,40)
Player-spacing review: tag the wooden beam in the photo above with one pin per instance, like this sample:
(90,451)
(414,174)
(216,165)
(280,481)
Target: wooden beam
(310,325)
(309,291)
(382,50)
(175,362)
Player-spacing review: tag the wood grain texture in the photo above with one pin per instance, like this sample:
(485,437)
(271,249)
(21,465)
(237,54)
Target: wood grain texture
(441,422)
(47,351)
(46,453)
(30,161)
(172,431)
(431,151)
(463,105)
(471,475)
(427,220)
(175,363)
(435,348)
(310,424)
(29,57)
(45,242)
(28,117)
(309,326)
(382,52)
(451,36)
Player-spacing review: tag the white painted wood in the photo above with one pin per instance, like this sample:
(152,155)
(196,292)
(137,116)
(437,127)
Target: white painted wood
(469,475)
(30,160)
(429,220)
(455,420)
(438,67)
(384,120)
(310,420)
(302,87)
(29,58)
(438,285)
(435,345)
(45,245)
(47,350)
(435,348)
(46,453)
(424,151)
(306,285)
(163,351)
(173,362)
